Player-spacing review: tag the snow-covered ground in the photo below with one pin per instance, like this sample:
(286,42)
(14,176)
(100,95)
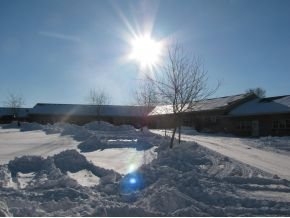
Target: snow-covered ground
(28,141)
(122,160)
(247,150)
(14,143)
(96,170)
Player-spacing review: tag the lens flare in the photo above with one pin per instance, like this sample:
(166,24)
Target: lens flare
(146,51)
(132,180)
(132,168)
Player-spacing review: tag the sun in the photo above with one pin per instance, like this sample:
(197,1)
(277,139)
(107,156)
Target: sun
(146,51)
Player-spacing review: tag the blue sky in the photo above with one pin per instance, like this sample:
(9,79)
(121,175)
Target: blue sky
(56,51)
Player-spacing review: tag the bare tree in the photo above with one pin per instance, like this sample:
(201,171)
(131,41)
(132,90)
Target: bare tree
(98,98)
(181,82)
(260,92)
(14,102)
(146,97)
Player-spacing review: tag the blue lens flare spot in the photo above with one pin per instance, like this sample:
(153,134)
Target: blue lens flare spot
(132,182)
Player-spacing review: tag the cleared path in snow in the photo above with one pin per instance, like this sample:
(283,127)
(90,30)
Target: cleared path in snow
(122,160)
(14,143)
(238,149)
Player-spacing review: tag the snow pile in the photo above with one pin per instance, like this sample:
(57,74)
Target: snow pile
(5,177)
(180,182)
(280,144)
(94,143)
(25,164)
(23,126)
(84,178)
(39,172)
(11,125)
(30,126)
(4,211)
(187,180)
(15,143)
(122,160)
(247,150)
(104,126)
(197,191)
(79,133)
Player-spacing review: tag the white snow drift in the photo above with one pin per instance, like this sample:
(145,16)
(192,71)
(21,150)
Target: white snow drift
(264,153)
(100,173)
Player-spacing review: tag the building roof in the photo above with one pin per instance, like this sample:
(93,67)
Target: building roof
(88,110)
(7,111)
(272,105)
(204,105)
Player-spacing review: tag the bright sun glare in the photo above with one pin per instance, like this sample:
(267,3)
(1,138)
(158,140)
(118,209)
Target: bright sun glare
(146,51)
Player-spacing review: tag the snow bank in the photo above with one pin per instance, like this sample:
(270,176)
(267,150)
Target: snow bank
(122,160)
(30,126)
(14,143)
(24,126)
(11,125)
(174,184)
(104,126)
(44,171)
(187,180)
(79,133)
(4,211)
(94,143)
(25,164)
(278,144)
(194,192)
(85,178)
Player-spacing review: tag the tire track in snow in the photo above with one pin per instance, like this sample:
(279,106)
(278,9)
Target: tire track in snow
(267,161)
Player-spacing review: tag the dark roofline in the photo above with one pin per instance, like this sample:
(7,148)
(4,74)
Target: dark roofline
(245,94)
(16,108)
(273,98)
(94,105)
(40,103)
(257,114)
(226,108)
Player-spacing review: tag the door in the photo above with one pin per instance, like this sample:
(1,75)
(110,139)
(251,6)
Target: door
(255,128)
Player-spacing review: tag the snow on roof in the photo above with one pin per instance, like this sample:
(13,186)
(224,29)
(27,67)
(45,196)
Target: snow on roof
(279,104)
(203,105)
(88,110)
(7,111)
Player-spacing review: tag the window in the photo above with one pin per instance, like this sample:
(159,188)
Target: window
(275,124)
(287,124)
(281,124)
(245,125)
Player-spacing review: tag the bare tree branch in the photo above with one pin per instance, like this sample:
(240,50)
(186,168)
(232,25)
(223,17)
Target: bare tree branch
(145,96)
(98,98)
(181,82)
(14,102)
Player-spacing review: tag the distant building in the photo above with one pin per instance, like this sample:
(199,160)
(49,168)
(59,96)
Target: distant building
(242,115)
(7,115)
(81,114)
(206,115)
(262,117)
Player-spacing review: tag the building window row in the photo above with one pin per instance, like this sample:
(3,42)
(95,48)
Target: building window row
(281,124)
(244,125)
